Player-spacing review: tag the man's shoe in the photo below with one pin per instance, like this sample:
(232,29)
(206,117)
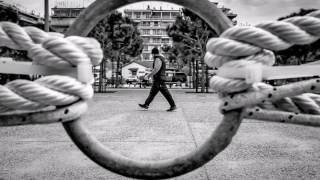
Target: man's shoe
(172,108)
(144,106)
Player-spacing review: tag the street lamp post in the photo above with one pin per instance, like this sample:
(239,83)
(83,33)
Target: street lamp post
(46,15)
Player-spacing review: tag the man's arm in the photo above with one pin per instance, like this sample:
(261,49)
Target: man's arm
(157,67)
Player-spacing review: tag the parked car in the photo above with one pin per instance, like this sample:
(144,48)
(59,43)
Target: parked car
(179,77)
(175,78)
(132,80)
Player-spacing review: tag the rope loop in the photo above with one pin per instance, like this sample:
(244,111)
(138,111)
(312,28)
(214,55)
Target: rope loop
(250,48)
(51,50)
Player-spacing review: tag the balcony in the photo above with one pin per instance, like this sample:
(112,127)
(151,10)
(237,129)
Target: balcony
(152,27)
(155,17)
(167,17)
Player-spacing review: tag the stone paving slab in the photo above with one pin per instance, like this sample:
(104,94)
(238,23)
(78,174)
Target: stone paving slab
(30,133)
(62,160)
(135,124)
(258,151)
(265,151)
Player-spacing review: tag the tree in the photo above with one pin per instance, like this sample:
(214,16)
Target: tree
(190,35)
(299,54)
(120,41)
(10,14)
(171,54)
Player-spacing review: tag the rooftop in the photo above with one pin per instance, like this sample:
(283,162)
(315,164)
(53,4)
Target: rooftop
(147,64)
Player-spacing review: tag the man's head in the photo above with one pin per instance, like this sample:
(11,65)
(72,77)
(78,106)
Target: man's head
(155,51)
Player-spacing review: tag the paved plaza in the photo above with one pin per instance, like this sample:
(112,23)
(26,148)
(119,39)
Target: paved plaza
(259,150)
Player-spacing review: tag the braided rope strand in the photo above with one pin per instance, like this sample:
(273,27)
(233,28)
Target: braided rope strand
(276,36)
(40,93)
(67,85)
(256,44)
(11,101)
(27,38)
(49,49)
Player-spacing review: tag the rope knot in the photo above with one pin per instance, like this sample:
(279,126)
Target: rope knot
(52,50)
(248,51)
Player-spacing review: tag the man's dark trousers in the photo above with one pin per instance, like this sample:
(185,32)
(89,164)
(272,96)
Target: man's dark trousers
(159,85)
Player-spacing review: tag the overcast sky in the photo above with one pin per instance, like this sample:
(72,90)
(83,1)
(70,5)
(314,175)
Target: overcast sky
(249,11)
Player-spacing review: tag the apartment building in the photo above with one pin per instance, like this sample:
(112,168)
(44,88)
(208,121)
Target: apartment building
(152,26)
(63,17)
(153,23)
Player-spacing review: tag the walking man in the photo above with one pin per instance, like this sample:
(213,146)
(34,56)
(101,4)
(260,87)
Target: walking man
(159,77)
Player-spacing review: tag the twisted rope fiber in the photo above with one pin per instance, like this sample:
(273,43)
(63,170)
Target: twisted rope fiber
(48,49)
(246,46)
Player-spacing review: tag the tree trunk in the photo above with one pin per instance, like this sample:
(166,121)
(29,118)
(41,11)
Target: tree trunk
(207,79)
(197,75)
(203,75)
(113,72)
(101,77)
(193,74)
(117,72)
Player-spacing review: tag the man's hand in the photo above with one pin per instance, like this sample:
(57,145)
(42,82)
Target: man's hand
(147,77)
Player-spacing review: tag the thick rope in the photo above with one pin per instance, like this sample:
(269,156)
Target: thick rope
(48,49)
(245,46)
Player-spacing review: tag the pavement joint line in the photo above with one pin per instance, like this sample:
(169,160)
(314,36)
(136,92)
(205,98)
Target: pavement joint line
(195,141)
(245,121)
(176,142)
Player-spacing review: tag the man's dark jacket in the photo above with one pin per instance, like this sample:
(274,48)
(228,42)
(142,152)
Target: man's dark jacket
(161,74)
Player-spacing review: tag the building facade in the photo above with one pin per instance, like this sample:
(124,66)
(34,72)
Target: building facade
(153,23)
(62,18)
(9,12)
(136,69)
(152,26)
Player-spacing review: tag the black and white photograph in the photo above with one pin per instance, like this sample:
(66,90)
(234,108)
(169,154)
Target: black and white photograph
(159,89)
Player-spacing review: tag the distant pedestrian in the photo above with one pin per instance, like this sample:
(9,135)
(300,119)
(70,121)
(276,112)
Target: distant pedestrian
(159,78)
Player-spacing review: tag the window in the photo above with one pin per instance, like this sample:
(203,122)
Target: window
(174,15)
(157,31)
(146,15)
(145,31)
(146,40)
(134,72)
(145,24)
(137,15)
(156,15)
(165,24)
(166,15)
(129,14)
(75,13)
(156,23)
(165,41)
(156,40)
